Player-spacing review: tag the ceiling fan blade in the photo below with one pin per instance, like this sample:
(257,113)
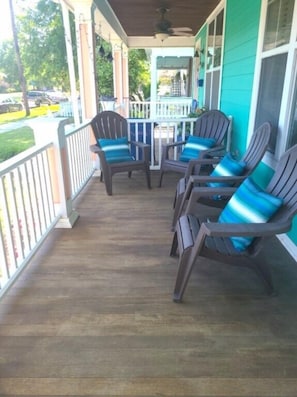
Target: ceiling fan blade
(185,29)
(181,33)
(164,26)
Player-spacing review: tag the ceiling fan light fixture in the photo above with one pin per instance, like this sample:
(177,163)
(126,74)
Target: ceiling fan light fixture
(161,36)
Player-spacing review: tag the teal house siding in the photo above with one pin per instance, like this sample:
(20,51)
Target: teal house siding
(237,78)
(240,46)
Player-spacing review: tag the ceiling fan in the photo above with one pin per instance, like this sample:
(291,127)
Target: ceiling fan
(164,27)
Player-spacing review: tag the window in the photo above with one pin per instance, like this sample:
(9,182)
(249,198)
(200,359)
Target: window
(275,98)
(270,94)
(278,23)
(214,61)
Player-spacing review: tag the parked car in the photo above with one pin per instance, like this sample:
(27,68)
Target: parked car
(38,97)
(10,105)
(57,96)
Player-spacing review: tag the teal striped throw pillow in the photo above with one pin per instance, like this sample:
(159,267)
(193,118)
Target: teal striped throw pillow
(227,167)
(194,145)
(116,150)
(249,204)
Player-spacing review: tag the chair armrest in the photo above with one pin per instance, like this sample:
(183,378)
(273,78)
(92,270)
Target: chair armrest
(139,144)
(144,148)
(174,144)
(245,229)
(220,149)
(208,192)
(195,188)
(167,146)
(194,165)
(197,180)
(95,148)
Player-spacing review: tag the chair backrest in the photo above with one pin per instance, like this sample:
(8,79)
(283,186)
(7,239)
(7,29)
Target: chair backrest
(257,147)
(284,184)
(212,124)
(109,125)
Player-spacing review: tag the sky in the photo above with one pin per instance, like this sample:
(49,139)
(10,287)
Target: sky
(5,26)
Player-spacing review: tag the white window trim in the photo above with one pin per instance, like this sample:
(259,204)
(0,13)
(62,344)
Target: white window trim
(291,49)
(221,6)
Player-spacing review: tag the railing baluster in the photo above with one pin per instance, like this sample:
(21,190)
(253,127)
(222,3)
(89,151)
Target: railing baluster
(7,225)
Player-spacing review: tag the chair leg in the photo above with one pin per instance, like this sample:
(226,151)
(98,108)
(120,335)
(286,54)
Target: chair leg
(184,271)
(148,177)
(182,189)
(177,209)
(174,245)
(174,200)
(161,177)
(108,185)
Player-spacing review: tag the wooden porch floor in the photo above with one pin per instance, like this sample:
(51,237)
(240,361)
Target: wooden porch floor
(92,314)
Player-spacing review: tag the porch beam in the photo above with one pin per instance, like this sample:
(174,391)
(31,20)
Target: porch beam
(121,79)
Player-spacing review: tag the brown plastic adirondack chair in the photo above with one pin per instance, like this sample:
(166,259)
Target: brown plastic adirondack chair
(212,124)
(111,125)
(193,189)
(197,237)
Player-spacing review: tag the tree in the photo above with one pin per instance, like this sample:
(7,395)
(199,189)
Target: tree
(139,74)
(43,51)
(104,69)
(43,54)
(22,79)
(9,80)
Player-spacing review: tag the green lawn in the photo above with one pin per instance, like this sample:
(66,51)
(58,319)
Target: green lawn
(34,112)
(15,141)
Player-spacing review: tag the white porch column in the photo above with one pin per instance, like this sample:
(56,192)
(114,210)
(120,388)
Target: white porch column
(154,82)
(121,79)
(85,52)
(72,78)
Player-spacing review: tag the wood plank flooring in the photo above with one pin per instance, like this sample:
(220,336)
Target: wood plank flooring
(92,314)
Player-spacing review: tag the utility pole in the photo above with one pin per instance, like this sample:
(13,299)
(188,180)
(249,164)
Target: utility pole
(18,59)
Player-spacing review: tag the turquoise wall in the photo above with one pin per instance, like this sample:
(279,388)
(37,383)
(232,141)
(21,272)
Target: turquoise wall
(240,46)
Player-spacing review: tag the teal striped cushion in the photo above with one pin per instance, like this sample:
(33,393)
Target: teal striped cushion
(227,167)
(194,145)
(116,150)
(250,204)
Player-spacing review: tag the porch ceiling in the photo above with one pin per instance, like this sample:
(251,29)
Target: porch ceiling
(134,21)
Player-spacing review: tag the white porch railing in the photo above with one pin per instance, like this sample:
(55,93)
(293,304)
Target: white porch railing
(27,210)
(166,108)
(81,166)
(38,186)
